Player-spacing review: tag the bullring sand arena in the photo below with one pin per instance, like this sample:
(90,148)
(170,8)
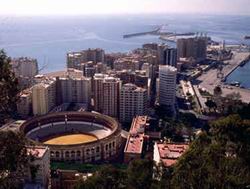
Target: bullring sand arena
(76,136)
(69,139)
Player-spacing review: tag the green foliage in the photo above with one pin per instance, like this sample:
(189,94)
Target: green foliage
(8,88)
(217,159)
(13,158)
(140,173)
(211,104)
(174,129)
(244,111)
(107,177)
(33,171)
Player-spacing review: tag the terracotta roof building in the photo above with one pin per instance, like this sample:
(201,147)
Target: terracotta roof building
(168,153)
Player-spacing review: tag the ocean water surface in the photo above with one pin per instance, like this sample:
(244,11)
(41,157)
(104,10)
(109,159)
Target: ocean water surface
(48,39)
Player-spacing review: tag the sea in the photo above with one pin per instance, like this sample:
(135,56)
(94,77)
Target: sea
(49,38)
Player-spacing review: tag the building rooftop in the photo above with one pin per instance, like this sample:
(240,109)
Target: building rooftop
(170,152)
(131,86)
(136,135)
(37,151)
(12,126)
(25,93)
(167,68)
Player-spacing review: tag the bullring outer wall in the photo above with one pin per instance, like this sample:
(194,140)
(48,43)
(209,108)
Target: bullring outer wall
(102,149)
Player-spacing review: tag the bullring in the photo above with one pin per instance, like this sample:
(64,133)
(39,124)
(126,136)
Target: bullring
(76,136)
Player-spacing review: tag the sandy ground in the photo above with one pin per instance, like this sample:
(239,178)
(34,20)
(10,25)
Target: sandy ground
(71,139)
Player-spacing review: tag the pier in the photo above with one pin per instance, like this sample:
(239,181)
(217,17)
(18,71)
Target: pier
(163,35)
(142,33)
(236,61)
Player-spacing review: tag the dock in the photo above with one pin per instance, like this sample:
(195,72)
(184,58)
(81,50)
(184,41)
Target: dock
(209,80)
(235,63)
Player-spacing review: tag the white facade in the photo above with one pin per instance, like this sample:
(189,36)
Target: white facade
(41,162)
(106,94)
(133,102)
(43,97)
(76,90)
(111,93)
(149,69)
(25,67)
(167,85)
(24,104)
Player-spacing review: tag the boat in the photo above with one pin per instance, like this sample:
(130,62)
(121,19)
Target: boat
(247,37)
(243,63)
(235,83)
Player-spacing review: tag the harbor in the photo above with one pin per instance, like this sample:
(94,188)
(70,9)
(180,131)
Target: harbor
(209,79)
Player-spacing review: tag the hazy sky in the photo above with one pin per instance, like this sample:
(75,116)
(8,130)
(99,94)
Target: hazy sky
(44,7)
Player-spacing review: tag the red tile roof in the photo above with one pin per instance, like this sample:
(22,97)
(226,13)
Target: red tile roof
(170,152)
(136,135)
(37,152)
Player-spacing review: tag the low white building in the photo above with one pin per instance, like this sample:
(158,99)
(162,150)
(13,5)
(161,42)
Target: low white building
(38,172)
(24,105)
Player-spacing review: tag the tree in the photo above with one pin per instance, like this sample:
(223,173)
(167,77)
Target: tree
(140,174)
(108,177)
(244,111)
(217,91)
(211,104)
(8,88)
(217,159)
(13,158)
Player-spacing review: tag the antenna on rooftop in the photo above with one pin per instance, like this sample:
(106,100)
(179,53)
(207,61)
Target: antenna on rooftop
(45,65)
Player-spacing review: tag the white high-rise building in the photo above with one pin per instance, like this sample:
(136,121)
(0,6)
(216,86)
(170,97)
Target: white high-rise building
(25,67)
(43,97)
(98,91)
(75,59)
(167,85)
(75,89)
(106,94)
(195,48)
(133,102)
(149,69)
(170,57)
(111,93)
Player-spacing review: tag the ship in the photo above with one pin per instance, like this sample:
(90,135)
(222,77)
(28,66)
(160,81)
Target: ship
(247,37)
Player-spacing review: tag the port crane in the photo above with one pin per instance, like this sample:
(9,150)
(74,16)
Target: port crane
(220,74)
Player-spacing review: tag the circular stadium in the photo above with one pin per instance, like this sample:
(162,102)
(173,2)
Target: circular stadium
(76,136)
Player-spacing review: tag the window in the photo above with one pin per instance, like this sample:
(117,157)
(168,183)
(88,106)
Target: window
(97,149)
(67,154)
(78,153)
(73,154)
(87,151)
